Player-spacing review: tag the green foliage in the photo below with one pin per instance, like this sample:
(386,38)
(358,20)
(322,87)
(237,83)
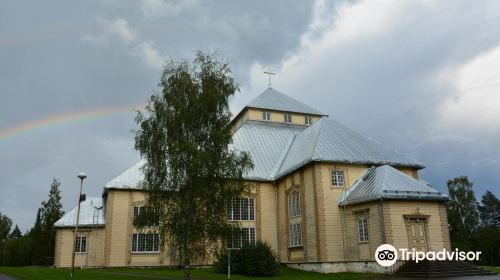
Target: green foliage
(489,210)
(36,247)
(462,209)
(184,137)
(254,260)
(5,225)
(16,233)
(17,251)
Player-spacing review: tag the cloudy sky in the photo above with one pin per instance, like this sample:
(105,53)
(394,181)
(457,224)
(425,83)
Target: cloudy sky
(422,77)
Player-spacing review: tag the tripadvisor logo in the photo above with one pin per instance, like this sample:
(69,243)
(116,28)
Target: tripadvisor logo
(387,255)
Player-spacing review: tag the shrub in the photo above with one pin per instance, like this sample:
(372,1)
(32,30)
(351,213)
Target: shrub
(256,260)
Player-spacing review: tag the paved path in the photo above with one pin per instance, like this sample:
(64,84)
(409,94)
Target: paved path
(5,277)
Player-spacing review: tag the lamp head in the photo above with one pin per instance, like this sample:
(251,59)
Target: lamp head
(82,176)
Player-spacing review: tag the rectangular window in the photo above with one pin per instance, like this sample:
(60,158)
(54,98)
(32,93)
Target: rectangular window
(241,209)
(337,178)
(287,118)
(266,116)
(363,230)
(243,237)
(308,120)
(81,244)
(293,201)
(295,234)
(145,242)
(152,220)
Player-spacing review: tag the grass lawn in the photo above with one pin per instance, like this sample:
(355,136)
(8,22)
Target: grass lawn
(34,273)
(492,268)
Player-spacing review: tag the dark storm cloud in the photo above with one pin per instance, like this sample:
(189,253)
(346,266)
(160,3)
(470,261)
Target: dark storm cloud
(62,57)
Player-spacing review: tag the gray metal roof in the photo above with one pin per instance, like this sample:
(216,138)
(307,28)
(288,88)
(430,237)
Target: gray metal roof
(274,100)
(89,215)
(130,179)
(330,140)
(266,143)
(386,182)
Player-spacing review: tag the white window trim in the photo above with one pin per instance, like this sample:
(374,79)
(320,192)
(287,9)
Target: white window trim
(266,115)
(79,250)
(363,230)
(294,207)
(287,118)
(335,178)
(240,237)
(139,209)
(251,214)
(137,243)
(295,235)
(308,120)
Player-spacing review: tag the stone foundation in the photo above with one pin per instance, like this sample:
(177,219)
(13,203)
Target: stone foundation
(333,267)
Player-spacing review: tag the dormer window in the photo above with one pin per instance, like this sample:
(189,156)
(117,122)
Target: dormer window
(266,116)
(287,118)
(308,120)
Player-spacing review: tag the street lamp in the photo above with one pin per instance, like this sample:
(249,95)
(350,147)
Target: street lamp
(81,176)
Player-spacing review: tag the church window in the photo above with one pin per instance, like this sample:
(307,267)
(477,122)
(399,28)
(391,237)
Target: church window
(293,202)
(337,178)
(152,218)
(241,209)
(81,244)
(242,237)
(145,242)
(295,234)
(266,116)
(308,120)
(287,118)
(363,230)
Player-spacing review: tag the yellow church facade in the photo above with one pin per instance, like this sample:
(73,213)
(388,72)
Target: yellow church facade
(324,197)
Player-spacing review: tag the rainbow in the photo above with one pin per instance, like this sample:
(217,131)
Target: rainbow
(67,117)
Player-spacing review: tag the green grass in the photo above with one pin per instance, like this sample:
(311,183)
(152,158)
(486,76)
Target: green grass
(34,273)
(492,268)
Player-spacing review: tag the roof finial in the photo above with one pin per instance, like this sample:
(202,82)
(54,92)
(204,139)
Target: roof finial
(269,77)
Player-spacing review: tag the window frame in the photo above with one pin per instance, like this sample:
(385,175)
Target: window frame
(266,116)
(287,118)
(78,244)
(249,205)
(363,236)
(294,203)
(136,211)
(335,178)
(249,233)
(308,120)
(149,239)
(295,235)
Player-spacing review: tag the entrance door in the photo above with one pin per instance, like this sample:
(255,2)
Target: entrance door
(417,235)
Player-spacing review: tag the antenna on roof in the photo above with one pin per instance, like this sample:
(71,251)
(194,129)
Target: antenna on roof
(269,85)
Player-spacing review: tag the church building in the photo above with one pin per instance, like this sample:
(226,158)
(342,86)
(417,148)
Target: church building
(324,197)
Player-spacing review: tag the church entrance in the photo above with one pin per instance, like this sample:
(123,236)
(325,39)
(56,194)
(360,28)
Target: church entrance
(417,233)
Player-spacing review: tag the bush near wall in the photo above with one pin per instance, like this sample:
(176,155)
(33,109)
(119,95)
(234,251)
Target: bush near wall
(255,260)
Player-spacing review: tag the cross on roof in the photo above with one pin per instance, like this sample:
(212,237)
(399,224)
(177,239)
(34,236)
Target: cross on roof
(269,77)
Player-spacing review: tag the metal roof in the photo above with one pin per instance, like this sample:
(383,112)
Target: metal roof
(266,143)
(130,179)
(89,215)
(386,182)
(274,100)
(331,141)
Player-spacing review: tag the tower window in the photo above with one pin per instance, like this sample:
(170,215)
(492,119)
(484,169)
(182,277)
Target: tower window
(287,118)
(266,116)
(308,120)
(337,178)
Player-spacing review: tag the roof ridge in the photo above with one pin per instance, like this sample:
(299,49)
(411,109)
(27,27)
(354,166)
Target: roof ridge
(321,123)
(282,158)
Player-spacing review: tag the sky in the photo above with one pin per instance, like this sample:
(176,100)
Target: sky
(422,77)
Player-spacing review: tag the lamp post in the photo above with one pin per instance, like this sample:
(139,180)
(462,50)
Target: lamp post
(81,176)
